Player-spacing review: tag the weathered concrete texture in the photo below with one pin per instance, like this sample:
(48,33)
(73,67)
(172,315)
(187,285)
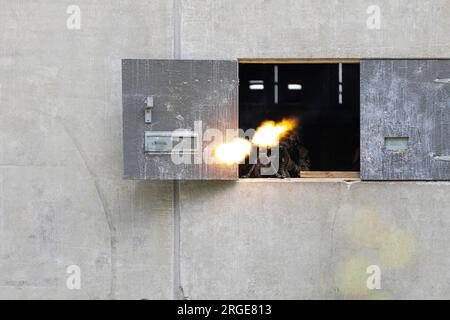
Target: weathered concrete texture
(62,197)
(322,28)
(309,240)
(191,95)
(401,98)
(63,200)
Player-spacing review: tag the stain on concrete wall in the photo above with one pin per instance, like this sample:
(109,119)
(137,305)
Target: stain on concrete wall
(374,244)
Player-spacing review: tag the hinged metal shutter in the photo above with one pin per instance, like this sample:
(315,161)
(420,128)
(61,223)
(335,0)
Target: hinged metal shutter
(405,119)
(160,96)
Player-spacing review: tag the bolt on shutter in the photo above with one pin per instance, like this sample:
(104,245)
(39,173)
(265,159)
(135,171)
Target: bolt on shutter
(405,119)
(168,105)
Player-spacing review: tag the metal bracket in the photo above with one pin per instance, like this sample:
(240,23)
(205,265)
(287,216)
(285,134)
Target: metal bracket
(149,101)
(444,80)
(440,158)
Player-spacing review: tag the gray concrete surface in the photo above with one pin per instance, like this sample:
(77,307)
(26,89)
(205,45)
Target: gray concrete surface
(314,240)
(63,201)
(305,28)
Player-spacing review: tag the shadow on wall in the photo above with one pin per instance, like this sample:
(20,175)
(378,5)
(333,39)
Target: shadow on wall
(209,188)
(145,191)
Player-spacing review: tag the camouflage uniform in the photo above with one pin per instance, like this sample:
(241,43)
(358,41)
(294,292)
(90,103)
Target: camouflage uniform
(294,157)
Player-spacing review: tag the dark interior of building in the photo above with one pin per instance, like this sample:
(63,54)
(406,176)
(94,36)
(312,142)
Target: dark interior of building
(323,97)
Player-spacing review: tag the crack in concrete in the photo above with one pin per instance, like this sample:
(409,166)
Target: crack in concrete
(349,183)
(343,200)
(184,297)
(101,196)
(106,211)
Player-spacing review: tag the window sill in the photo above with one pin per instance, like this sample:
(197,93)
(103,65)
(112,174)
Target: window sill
(314,176)
(330,174)
(296,180)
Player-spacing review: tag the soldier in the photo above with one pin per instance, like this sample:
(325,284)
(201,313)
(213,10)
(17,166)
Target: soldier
(293,158)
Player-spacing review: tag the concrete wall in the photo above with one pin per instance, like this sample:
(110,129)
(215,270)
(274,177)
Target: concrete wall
(63,201)
(303,240)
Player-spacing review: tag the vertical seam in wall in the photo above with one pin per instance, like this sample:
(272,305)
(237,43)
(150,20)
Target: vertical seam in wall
(177,6)
(178,293)
(177,287)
